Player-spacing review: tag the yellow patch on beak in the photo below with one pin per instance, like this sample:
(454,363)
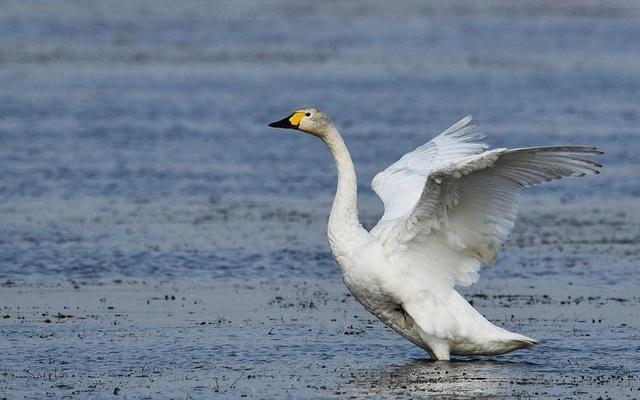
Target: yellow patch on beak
(295,118)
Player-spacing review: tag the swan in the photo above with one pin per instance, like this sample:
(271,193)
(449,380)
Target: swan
(448,206)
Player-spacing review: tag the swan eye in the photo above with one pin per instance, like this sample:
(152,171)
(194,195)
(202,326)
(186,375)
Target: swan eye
(308,114)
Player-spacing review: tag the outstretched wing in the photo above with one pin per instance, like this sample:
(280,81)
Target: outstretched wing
(400,185)
(467,205)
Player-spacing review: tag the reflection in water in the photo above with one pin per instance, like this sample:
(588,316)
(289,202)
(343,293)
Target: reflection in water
(472,378)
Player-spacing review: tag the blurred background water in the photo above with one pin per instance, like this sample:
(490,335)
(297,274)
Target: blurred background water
(133,138)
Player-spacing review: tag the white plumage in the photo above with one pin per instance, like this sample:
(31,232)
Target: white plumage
(449,205)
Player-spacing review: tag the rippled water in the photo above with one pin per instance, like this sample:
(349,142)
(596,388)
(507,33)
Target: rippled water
(133,138)
(125,129)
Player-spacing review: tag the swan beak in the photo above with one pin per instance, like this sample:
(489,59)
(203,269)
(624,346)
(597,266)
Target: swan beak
(290,122)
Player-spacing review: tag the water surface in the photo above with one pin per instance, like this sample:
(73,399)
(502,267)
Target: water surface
(134,149)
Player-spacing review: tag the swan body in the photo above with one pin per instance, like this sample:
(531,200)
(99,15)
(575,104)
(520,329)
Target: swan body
(449,205)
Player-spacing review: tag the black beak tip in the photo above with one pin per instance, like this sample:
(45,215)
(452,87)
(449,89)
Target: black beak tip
(283,123)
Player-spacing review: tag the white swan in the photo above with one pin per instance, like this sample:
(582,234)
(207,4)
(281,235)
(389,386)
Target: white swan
(448,206)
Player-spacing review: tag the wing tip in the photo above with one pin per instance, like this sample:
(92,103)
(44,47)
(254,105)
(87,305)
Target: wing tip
(589,149)
(462,123)
(593,150)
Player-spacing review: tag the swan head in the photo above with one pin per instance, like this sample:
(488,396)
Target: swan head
(308,120)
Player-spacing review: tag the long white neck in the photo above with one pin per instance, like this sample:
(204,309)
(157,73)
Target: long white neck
(344,226)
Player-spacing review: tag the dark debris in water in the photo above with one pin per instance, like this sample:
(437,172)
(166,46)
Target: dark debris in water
(235,337)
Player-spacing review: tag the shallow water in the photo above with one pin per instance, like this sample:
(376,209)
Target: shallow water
(301,339)
(134,147)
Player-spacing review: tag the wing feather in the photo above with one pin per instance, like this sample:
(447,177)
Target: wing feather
(468,199)
(400,185)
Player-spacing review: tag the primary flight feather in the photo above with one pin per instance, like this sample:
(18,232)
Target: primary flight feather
(448,206)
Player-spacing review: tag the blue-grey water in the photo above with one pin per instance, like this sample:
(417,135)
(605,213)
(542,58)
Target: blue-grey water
(134,148)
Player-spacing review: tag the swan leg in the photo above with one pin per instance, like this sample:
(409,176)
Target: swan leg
(439,349)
